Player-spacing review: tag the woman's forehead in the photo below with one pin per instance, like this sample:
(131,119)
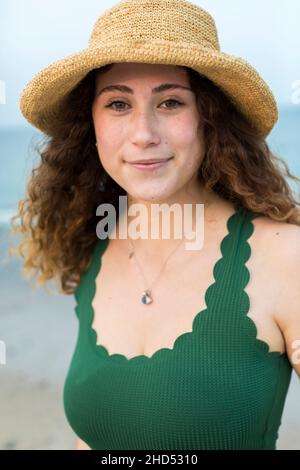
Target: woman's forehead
(132,70)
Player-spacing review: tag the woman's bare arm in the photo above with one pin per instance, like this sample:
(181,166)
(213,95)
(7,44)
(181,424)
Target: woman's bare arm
(81,445)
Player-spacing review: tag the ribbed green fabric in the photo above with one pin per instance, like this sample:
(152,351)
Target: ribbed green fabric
(219,387)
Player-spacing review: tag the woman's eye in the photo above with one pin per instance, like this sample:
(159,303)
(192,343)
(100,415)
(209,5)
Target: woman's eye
(113,103)
(173,101)
(110,105)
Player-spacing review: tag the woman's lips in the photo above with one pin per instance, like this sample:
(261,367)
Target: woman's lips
(150,166)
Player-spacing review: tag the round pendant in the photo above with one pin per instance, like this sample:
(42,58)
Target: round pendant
(146,297)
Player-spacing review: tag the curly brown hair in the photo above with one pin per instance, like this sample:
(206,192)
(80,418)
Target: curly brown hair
(58,214)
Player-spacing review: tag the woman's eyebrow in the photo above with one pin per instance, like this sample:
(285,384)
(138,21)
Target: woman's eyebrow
(158,89)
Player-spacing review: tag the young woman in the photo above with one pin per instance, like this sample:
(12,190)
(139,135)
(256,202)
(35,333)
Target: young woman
(176,348)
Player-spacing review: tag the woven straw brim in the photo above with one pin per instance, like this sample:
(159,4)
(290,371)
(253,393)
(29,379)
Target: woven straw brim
(41,100)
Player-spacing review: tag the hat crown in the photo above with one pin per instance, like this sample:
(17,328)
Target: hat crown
(140,21)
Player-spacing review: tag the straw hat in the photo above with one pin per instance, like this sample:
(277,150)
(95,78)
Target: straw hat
(158,32)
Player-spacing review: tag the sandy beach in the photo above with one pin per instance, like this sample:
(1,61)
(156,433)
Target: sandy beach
(39,330)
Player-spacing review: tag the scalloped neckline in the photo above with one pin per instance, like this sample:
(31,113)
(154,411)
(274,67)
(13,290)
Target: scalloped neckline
(101,246)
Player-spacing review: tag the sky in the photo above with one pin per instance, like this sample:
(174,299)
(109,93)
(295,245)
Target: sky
(35,33)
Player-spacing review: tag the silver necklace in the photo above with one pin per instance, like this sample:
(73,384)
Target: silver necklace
(147,295)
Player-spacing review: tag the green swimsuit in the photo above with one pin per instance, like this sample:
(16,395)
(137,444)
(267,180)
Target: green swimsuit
(219,387)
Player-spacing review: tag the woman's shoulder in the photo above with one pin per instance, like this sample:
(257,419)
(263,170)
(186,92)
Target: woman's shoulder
(282,239)
(278,246)
(278,243)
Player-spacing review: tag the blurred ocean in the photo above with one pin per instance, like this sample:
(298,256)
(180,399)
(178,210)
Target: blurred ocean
(17,156)
(17,160)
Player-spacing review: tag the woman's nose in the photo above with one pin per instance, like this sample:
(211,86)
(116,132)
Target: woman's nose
(144,128)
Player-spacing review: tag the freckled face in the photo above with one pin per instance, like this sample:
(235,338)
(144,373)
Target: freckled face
(146,124)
